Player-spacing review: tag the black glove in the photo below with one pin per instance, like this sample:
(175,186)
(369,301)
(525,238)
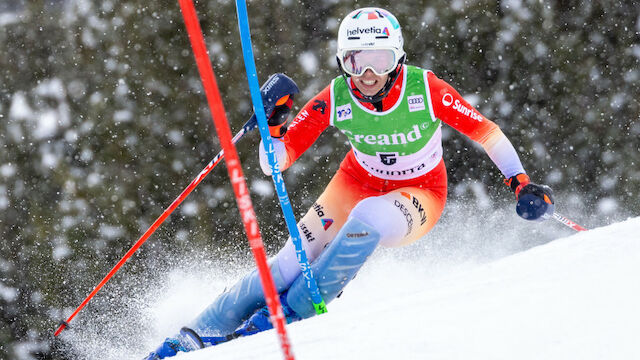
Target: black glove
(535,202)
(278,119)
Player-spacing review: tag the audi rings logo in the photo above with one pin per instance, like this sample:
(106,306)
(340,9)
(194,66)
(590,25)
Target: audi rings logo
(447,99)
(416,103)
(415,100)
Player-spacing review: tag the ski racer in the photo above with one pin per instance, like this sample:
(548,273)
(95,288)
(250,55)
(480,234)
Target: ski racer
(390,189)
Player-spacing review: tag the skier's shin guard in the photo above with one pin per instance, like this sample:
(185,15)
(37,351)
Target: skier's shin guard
(336,266)
(235,305)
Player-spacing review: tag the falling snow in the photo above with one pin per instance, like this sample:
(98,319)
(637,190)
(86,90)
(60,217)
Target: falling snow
(104,122)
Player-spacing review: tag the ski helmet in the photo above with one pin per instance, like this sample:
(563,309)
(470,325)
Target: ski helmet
(370,38)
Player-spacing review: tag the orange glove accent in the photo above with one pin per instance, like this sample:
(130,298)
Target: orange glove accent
(517,182)
(278,118)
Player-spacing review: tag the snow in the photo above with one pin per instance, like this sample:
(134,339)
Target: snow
(120,116)
(60,252)
(471,291)
(8,18)
(20,108)
(262,187)
(4,200)
(111,231)
(50,159)
(607,205)
(189,208)
(53,88)
(47,125)
(93,179)
(309,62)
(8,294)
(573,298)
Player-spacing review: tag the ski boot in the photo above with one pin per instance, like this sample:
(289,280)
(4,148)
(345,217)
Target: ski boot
(258,322)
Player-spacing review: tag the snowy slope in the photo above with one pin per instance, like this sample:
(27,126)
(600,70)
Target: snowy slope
(574,298)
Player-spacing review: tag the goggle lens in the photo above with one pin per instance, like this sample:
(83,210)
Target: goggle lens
(356,62)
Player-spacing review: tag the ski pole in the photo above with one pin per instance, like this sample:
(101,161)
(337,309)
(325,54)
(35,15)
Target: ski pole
(273,96)
(278,181)
(247,127)
(568,222)
(236,175)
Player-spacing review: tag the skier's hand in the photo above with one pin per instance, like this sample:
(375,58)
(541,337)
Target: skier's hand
(535,202)
(278,118)
(280,151)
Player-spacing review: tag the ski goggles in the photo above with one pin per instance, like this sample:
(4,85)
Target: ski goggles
(381,61)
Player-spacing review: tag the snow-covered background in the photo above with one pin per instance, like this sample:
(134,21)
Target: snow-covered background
(574,297)
(103,122)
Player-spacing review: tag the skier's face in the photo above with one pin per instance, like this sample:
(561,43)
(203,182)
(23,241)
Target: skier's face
(369,83)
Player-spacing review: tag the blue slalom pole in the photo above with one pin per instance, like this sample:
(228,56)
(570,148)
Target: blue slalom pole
(278,181)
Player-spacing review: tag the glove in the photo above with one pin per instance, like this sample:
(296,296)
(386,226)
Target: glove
(278,118)
(280,151)
(535,202)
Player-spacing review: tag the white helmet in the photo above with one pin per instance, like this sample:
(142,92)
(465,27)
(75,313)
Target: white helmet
(370,28)
(363,31)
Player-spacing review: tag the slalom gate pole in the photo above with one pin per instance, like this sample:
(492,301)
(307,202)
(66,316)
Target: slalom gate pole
(247,127)
(278,181)
(568,222)
(235,172)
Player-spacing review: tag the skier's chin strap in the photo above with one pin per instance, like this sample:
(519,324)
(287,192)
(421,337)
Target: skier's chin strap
(393,76)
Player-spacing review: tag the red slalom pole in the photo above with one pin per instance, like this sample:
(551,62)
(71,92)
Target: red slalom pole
(212,164)
(235,171)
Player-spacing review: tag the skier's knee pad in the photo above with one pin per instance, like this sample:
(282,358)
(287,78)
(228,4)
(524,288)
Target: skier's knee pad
(235,305)
(381,213)
(335,267)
